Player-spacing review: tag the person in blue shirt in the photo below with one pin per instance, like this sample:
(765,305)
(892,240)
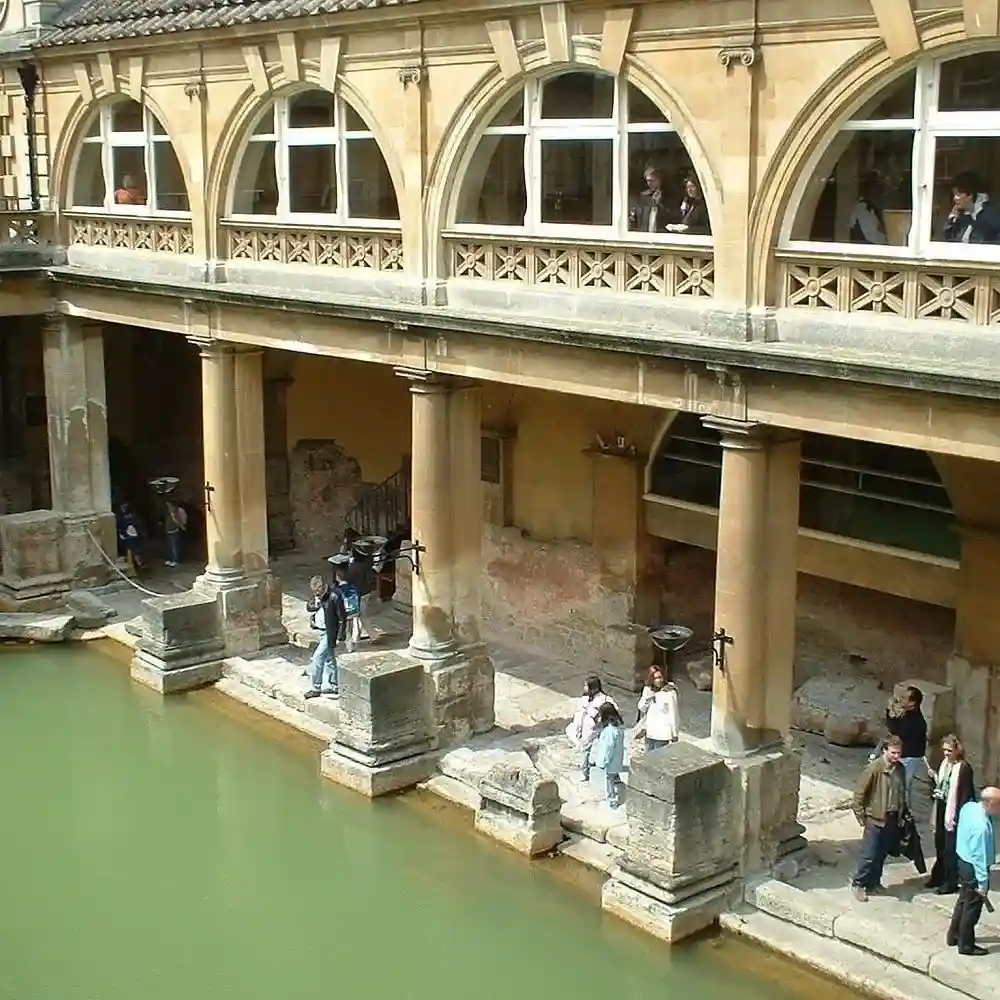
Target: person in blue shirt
(608,750)
(976,846)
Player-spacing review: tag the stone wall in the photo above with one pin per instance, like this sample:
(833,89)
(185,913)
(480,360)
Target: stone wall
(325,483)
(837,626)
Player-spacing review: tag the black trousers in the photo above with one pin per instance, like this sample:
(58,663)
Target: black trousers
(945,870)
(968,909)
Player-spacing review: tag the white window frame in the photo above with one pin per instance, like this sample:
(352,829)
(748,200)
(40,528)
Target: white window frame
(926,126)
(537,130)
(109,141)
(338,137)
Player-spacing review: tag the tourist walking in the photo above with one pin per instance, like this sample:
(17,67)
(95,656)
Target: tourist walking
(905,718)
(953,788)
(130,537)
(326,616)
(176,525)
(879,802)
(658,710)
(608,751)
(977,851)
(350,595)
(583,730)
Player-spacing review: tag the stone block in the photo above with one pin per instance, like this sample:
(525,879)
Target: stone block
(88,610)
(702,673)
(270,628)
(975,977)
(519,807)
(86,541)
(181,645)
(803,909)
(768,808)
(977,714)
(384,741)
(31,555)
(678,870)
(846,711)
(461,689)
(938,705)
(35,627)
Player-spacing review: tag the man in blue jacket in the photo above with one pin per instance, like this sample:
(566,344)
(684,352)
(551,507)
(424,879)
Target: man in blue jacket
(977,851)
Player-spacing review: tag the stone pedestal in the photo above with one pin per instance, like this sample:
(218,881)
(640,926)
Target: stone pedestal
(45,553)
(977,715)
(681,861)
(462,690)
(181,644)
(519,807)
(768,787)
(384,742)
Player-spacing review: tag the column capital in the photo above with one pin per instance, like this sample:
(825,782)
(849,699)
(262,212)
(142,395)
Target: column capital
(423,381)
(212,347)
(747,435)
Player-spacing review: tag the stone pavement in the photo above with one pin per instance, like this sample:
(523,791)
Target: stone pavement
(892,946)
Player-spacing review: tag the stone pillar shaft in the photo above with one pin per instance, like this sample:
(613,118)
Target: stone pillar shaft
(224,518)
(755,587)
(77,415)
(252,461)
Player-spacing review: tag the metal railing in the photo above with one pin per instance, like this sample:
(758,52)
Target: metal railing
(383,509)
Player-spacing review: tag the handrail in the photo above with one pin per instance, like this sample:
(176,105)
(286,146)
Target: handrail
(383,509)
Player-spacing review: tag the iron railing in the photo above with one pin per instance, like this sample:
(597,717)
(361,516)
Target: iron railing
(383,509)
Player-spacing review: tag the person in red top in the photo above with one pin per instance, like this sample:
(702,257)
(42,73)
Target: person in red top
(130,193)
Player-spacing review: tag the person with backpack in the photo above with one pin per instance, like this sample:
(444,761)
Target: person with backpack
(327,616)
(351,598)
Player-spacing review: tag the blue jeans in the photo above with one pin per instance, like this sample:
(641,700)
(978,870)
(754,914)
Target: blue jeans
(323,672)
(875,844)
(912,766)
(612,789)
(174,545)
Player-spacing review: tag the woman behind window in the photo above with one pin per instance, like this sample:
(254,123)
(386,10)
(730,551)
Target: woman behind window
(693,214)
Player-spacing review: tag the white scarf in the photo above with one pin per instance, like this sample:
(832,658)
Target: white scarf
(949,771)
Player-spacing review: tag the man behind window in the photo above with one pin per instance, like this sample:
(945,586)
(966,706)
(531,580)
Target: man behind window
(976,846)
(974,218)
(649,214)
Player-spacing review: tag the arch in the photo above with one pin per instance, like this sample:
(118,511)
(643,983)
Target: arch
(458,146)
(248,110)
(69,144)
(818,121)
(873,493)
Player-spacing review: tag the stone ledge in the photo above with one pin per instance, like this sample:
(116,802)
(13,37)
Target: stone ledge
(276,710)
(785,902)
(859,969)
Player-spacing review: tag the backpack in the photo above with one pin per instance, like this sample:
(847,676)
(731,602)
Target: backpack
(352,600)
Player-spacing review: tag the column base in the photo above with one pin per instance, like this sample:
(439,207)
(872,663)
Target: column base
(153,673)
(249,607)
(345,768)
(462,690)
(662,914)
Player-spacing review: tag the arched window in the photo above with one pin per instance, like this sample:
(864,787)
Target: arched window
(583,154)
(126,163)
(916,170)
(856,489)
(311,158)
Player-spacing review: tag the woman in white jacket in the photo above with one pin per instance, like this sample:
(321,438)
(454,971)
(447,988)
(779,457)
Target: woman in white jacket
(658,710)
(584,728)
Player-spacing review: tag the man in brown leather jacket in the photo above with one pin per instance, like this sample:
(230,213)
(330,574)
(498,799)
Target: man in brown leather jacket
(879,802)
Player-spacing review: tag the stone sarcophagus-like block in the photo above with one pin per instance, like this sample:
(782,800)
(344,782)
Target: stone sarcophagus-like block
(384,741)
(519,807)
(181,645)
(680,863)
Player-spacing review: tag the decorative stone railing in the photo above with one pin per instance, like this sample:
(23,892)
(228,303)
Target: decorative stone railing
(966,292)
(126,232)
(26,240)
(668,271)
(371,249)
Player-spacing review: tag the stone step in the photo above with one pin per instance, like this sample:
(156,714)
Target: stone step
(253,698)
(589,852)
(453,791)
(908,935)
(858,968)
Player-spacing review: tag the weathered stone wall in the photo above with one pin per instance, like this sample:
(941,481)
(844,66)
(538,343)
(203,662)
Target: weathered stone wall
(325,483)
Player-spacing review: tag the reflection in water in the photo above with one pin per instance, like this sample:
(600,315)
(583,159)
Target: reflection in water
(164,849)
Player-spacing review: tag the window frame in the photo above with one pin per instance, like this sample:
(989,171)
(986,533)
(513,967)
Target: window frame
(284,136)
(537,130)
(152,132)
(926,127)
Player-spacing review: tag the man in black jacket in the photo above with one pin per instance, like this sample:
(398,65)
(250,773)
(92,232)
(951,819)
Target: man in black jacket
(974,218)
(327,616)
(905,719)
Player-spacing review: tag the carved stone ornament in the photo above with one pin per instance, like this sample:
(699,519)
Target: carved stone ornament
(411,74)
(743,54)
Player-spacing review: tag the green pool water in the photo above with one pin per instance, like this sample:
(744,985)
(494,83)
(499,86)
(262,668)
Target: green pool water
(171,849)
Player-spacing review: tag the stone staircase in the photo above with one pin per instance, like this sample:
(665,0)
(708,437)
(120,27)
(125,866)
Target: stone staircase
(383,509)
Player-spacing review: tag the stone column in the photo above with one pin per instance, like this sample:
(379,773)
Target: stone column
(277,381)
(446,515)
(755,588)
(252,468)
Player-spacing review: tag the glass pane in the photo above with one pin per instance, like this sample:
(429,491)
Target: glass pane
(689,466)
(578,95)
(966,173)
(894,101)
(664,195)
(370,193)
(312,179)
(971,84)
(266,125)
(862,191)
(257,182)
(493,190)
(512,113)
(313,109)
(88,185)
(577,181)
(128,169)
(171,194)
(158,129)
(126,116)
(353,121)
(642,110)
